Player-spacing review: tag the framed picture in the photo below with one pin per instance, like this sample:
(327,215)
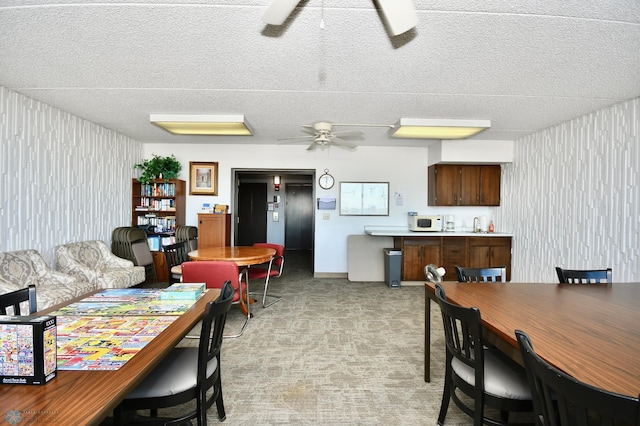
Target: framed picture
(364,198)
(203,178)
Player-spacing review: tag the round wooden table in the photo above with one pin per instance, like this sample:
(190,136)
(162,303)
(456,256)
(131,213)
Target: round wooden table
(241,255)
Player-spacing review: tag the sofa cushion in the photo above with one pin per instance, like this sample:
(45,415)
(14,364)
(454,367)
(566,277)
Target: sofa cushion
(17,268)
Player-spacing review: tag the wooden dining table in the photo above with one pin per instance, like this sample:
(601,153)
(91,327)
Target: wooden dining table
(241,255)
(88,397)
(590,331)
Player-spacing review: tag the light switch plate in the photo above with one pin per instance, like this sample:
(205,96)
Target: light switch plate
(276,217)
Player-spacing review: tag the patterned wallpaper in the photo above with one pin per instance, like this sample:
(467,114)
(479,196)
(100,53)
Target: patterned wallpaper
(62,178)
(572,197)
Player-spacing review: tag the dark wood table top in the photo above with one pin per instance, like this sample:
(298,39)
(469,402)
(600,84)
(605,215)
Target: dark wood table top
(590,331)
(242,255)
(88,397)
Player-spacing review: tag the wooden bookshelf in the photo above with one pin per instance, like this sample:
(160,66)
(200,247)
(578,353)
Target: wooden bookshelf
(159,205)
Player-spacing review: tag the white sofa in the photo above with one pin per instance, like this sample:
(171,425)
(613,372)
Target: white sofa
(92,261)
(19,269)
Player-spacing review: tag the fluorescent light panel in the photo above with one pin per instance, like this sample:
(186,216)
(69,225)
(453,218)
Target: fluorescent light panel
(418,128)
(212,125)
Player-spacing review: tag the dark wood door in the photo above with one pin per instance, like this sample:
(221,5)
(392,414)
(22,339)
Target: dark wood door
(252,213)
(490,185)
(298,233)
(444,185)
(469,186)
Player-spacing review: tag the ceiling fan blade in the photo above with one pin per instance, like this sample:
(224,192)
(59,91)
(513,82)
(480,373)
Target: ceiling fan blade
(278,11)
(348,133)
(312,146)
(299,138)
(343,143)
(400,15)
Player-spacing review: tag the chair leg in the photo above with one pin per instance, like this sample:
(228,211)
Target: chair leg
(246,321)
(446,395)
(265,295)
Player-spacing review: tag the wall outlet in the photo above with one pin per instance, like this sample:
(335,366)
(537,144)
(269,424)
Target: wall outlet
(276,216)
(326,216)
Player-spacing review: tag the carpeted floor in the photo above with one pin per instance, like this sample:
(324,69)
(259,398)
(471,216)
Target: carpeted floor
(332,352)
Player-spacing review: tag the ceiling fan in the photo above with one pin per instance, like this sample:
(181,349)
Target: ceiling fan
(321,133)
(399,15)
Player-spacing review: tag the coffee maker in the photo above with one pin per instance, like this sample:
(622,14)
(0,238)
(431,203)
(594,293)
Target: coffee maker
(449,223)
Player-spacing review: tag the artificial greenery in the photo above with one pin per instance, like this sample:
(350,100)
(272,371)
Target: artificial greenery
(159,168)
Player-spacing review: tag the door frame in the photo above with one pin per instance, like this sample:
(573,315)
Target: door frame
(267,174)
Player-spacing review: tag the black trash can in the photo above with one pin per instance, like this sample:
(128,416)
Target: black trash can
(392,267)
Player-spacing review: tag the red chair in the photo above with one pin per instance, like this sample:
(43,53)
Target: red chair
(264,271)
(214,273)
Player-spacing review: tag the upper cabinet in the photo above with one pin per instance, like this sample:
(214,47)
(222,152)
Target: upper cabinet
(464,185)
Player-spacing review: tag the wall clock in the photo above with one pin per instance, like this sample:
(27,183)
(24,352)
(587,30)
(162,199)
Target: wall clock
(326,181)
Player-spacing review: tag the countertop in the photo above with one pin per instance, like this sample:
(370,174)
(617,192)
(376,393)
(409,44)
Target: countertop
(403,231)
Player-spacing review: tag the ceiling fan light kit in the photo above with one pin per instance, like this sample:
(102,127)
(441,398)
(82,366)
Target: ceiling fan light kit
(418,128)
(207,125)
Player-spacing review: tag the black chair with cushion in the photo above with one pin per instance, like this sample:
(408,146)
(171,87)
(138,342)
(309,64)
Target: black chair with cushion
(470,368)
(186,374)
(481,274)
(14,299)
(559,399)
(584,276)
(175,255)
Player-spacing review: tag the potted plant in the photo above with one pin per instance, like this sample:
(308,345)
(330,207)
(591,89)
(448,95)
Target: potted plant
(159,168)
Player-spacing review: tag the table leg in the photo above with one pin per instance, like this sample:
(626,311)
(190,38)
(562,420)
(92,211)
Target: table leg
(427,337)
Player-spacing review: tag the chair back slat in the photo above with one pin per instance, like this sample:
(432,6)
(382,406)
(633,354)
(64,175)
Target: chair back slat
(492,274)
(562,400)
(14,299)
(584,276)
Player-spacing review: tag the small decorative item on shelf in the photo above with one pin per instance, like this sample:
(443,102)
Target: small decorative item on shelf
(166,168)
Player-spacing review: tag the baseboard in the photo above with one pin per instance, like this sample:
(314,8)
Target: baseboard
(329,275)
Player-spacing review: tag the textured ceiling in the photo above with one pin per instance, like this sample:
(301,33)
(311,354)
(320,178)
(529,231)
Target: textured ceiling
(524,64)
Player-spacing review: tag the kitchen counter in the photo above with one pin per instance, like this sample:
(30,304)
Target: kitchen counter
(403,231)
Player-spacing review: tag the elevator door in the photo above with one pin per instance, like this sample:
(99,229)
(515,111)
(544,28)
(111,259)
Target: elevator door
(299,216)
(252,213)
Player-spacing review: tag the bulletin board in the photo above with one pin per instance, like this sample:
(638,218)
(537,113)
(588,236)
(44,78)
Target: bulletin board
(364,198)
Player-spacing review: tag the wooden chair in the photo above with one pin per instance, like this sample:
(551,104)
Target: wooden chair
(175,255)
(584,276)
(559,399)
(15,298)
(214,273)
(265,271)
(481,274)
(481,374)
(187,373)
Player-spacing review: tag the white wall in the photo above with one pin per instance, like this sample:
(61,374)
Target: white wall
(62,178)
(572,197)
(404,168)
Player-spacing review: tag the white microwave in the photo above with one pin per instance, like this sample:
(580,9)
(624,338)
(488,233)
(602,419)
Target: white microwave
(425,223)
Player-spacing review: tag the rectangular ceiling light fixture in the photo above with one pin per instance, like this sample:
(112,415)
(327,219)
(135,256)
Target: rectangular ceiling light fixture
(211,125)
(418,128)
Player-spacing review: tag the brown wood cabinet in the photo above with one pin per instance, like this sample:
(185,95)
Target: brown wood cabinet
(160,263)
(464,185)
(490,251)
(416,254)
(454,252)
(449,251)
(214,230)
